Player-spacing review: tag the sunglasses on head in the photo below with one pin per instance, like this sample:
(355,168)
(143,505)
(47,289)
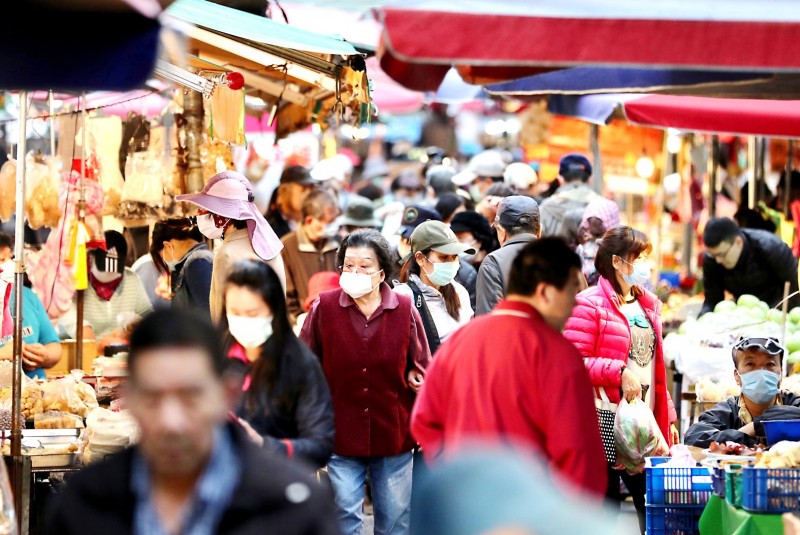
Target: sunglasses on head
(767,344)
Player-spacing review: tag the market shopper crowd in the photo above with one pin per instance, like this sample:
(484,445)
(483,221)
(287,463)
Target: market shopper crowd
(344,339)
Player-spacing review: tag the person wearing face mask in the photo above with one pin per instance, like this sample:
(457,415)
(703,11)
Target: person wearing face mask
(616,327)
(311,248)
(228,211)
(428,278)
(285,405)
(483,171)
(517,224)
(186,264)
(41,348)
(373,349)
(758,365)
(114,291)
(415,215)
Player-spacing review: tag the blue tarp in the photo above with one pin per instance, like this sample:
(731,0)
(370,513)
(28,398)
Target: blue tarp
(586,80)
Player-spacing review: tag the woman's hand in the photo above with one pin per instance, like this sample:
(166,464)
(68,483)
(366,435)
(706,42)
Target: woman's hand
(252,434)
(631,386)
(415,380)
(163,288)
(676,436)
(33,356)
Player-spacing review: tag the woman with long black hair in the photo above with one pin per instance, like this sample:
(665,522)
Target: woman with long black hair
(428,278)
(286,404)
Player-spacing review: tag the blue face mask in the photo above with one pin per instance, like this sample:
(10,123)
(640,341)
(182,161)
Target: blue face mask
(640,274)
(443,273)
(761,386)
(171,265)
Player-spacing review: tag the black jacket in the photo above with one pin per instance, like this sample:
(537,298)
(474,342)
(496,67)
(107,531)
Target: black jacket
(99,499)
(765,265)
(721,422)
(467,276)
(301,416)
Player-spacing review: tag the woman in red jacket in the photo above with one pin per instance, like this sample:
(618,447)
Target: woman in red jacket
(374,352)
(616,326)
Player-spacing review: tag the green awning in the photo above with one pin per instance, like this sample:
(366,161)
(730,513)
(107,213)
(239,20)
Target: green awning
(255,28)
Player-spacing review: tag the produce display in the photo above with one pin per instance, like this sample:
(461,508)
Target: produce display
(700,347)
(734,448)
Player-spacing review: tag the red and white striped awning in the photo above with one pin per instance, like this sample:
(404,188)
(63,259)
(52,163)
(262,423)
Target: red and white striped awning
(505,39)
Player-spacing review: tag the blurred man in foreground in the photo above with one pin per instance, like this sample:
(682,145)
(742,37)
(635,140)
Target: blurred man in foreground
(191,472)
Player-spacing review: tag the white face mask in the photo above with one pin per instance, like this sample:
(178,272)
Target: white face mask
(104,276)
(250,332)
(8,271)
(356,284)
(207,227)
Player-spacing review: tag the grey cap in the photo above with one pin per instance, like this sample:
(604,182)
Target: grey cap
(360,212)
(517,210)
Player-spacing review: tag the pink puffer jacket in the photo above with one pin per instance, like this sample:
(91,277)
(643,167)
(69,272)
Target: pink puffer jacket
(600,331)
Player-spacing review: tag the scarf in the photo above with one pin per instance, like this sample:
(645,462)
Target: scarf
(104,290)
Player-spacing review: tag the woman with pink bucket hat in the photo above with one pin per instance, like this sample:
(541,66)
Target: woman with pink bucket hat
(228,211)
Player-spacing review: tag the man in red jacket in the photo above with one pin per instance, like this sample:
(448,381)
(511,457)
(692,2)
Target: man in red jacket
(511,377)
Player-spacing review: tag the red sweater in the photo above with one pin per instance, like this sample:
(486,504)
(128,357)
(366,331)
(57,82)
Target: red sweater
(366,362)
(507,376)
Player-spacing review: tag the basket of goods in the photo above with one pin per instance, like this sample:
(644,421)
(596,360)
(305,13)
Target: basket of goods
(773,484)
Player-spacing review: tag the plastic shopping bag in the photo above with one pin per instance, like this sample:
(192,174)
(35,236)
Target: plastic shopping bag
(637,435)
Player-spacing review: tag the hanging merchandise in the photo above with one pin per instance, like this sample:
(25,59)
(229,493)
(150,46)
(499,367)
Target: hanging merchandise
(41,191)
(103,137)
(52,277)
(8,189)
(216,157)
(226,115)
(143,193)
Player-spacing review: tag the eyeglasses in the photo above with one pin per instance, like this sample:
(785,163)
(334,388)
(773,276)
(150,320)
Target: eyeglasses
(767,344)
(349,268)
(720,257)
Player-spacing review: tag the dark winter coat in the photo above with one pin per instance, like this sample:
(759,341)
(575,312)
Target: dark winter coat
(721,422)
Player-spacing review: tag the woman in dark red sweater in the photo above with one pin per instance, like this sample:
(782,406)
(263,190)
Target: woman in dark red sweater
(374,352)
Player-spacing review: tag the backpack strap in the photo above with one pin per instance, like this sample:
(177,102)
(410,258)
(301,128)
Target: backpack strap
(427,320)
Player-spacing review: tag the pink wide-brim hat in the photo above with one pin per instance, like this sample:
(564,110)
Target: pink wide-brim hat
(230,194)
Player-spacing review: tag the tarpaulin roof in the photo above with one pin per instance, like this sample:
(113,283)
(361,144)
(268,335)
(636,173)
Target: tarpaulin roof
(504,39)
(758,117)
(256,28)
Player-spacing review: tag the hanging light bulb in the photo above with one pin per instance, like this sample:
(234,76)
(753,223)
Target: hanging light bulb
(674,141)
(645,166)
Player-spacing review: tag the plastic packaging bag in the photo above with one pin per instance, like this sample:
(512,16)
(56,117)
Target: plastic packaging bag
(8,189)
(69,395)
(637,435)
(57,420)
(107,432)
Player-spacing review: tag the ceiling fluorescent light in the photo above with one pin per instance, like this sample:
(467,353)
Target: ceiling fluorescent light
(183,77)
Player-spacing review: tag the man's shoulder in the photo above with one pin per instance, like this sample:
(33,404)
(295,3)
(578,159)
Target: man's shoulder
(290,481)
(290,239)
(106,479)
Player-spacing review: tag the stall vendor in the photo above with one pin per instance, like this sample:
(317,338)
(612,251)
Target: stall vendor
(41,348)
(115,293)
(739,419)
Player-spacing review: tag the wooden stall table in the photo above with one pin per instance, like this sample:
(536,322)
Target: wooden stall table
(69,359)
